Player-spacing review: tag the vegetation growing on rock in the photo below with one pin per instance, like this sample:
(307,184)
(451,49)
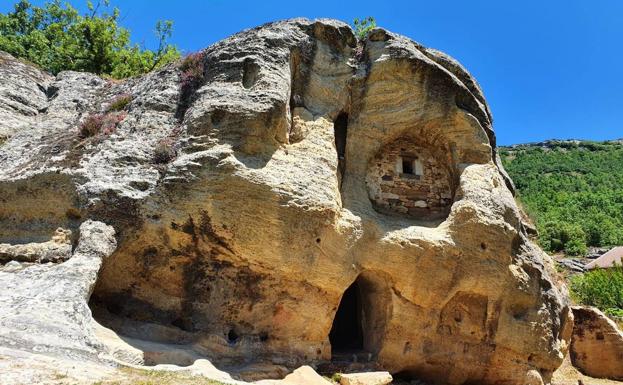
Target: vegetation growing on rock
(363,26)
(120,102)
(191,78)
(100,124)
(164,152)
(57,38)
(572,190)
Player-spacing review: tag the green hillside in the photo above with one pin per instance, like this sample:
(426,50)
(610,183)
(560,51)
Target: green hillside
(573,191)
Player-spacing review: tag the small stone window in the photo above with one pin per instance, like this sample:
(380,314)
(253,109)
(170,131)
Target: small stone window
(409,167)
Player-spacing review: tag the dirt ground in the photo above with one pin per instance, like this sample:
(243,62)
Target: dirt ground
(568,375)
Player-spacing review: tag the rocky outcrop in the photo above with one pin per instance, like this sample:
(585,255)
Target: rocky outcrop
(58,249)
(369,378)
(596,344)
(44,308)
(256,239)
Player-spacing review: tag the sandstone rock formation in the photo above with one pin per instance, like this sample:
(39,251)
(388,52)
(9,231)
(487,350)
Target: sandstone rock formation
(44,308)
(57,249)
(327,197)
(596,344)
(370,378)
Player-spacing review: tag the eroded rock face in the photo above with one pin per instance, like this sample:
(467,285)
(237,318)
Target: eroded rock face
(596,344)
(57,249)
(245,244)
(44,307)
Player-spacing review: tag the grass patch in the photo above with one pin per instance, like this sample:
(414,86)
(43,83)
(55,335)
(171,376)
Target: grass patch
(120,102)
(157,377)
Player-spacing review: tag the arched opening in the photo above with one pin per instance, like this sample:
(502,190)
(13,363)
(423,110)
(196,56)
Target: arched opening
(412,178)
(359,325)
(346,333)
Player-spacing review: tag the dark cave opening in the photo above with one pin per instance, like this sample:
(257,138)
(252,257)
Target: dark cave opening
(340,130)
(347,331)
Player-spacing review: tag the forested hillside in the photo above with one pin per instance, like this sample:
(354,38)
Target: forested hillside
(573,191)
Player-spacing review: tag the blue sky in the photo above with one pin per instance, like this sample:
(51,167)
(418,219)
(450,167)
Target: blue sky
(549,68)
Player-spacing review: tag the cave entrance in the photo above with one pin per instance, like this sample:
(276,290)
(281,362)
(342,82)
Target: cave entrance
(347,331)
(359,325)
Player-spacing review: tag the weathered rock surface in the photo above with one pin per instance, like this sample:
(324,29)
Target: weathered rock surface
(243,246)
(44,308)
(369,378)
(596,344)
(304,375)
(57,249)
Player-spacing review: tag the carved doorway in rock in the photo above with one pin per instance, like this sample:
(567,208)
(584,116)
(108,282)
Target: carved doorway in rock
(346,334)
(359,324)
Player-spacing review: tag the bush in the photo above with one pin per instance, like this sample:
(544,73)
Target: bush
(192,70)
(97,124)
(363,26)
(57,38)
(164,152)
(561,236)
(191,78)
(120,102)
(602,288)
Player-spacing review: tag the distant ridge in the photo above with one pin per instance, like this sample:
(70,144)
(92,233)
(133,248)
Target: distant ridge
(549,143)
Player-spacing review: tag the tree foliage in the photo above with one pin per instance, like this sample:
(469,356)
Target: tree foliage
(573,191)
(363,26)
(57,38)
(602,288)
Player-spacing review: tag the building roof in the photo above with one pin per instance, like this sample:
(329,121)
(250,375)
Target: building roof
(614,255)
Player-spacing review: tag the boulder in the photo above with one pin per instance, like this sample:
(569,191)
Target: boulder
(596,344)
(261,236)
(305,375)
(366,378)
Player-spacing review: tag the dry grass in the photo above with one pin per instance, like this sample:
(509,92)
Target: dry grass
(131,376)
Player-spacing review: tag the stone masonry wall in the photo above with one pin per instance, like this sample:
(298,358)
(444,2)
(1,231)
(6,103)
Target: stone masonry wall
(419,189)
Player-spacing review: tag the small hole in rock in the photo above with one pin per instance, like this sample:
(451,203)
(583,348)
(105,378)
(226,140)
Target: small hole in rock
(483,246)
(232,336)
(263,336)
(317,240)
(599,335)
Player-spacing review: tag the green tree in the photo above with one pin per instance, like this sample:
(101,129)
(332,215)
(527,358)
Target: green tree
(573,192)
(363,26)
(600,287)
(56,37)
